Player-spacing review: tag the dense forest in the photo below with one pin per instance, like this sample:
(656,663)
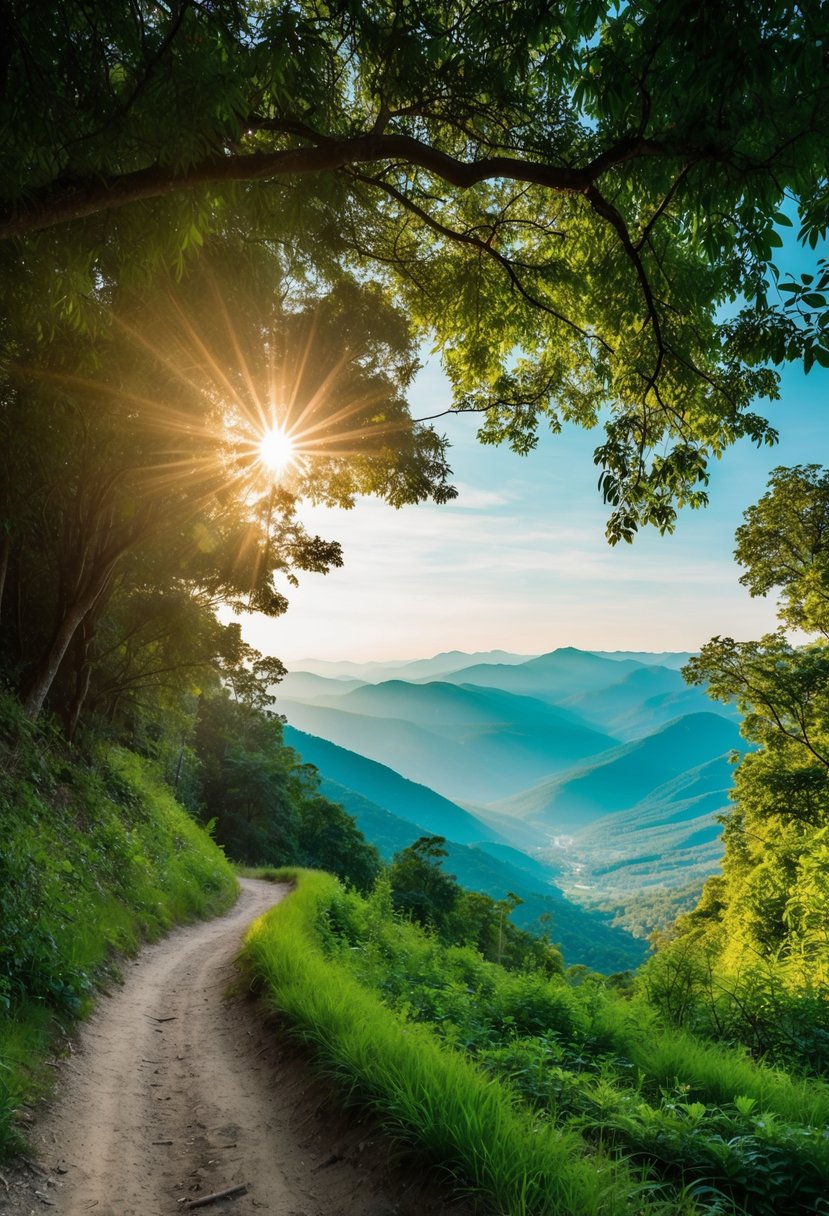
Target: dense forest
(228,231)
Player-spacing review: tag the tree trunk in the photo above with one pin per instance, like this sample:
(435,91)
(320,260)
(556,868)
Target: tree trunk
(47,668)
(5,553)
(91,590)
(83,673)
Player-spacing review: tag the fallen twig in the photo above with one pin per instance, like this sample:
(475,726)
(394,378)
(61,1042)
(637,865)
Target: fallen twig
(5,1184)
(153,1018)
(162,1142)
(227,1193)
(32,1166)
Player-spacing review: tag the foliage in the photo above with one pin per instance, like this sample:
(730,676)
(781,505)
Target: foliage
(714,1132)
(264,802)
(548,191)
(135,501)
(782,545)
(421,891)
(750,963)
(644,912)
(429,1096)
(95,856)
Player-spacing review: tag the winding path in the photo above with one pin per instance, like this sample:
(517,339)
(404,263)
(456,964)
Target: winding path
(176,1092)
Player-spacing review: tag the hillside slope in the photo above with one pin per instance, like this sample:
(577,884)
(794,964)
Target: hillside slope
(485,864)
(384,786)
(92,860)
(464,742)
(625,776)
(643,701)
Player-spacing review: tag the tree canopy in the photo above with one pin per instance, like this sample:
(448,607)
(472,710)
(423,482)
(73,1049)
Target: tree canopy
(577,204)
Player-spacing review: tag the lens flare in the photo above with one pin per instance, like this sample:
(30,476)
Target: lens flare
(277,451)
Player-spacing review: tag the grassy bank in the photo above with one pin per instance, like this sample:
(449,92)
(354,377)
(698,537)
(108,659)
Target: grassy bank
(427,1093)
(539,1097)
(95,856)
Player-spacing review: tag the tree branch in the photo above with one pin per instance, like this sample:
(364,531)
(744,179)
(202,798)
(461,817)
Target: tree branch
(483,247)
(75,198)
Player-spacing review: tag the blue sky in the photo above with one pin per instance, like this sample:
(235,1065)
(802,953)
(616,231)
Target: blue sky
(519,560)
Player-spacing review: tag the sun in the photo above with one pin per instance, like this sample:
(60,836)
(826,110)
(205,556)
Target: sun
(277,451)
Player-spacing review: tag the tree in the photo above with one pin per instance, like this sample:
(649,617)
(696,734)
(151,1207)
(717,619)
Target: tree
(784,545)
(752,960)
(329,839)
(571,201)
(134,470)
(420,889)
(264,802)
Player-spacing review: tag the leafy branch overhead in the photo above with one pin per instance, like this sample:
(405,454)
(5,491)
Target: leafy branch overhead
(577,204)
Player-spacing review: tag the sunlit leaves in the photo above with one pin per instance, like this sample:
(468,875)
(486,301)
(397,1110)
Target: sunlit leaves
(784,544)
(636,163)
(757,946)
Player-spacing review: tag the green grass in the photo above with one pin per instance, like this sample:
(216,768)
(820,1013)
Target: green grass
(719,1074)
(94,858)
(424,1091)
(539,1097)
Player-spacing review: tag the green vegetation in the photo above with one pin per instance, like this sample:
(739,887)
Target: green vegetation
(425,1093)
(96,856)
(489,867)
(750,963)
(263,801)
(546,192)
(591,1104)
(645,912)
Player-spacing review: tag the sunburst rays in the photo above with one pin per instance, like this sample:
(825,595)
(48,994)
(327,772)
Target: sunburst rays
(216,413)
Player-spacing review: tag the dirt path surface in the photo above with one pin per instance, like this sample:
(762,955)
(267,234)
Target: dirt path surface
(176,1091)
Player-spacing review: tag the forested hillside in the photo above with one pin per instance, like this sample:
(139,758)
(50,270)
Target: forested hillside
(751,961)
(614,818)
(548,1097)
(475,855)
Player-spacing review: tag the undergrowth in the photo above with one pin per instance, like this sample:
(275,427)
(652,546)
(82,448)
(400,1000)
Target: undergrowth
(95,856)
(541,1097)
(426,1092)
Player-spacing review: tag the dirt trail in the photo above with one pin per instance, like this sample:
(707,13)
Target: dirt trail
(175,1092)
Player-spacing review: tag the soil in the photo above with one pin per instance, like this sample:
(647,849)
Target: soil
(179,1086)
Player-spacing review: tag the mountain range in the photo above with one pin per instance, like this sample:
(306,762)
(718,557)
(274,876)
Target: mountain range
(570,778)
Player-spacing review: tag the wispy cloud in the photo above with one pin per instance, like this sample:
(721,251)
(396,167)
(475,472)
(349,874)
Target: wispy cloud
(472,498)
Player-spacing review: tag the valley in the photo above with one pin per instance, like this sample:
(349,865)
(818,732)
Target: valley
(588,784)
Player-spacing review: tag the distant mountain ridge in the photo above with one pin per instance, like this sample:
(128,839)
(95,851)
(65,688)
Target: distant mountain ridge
(647,698)
(465,742)
(625,776)
(603,768)
(551,677)
(377,670)
(384,786)
(661,658)
(398,811)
